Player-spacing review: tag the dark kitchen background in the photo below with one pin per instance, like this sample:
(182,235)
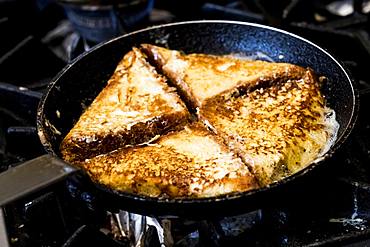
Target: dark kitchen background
(39,38)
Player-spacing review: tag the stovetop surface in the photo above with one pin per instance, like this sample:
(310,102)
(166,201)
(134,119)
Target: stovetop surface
(331,207)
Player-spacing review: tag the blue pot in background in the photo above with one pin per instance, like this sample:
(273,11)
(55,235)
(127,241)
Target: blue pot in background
(99,22)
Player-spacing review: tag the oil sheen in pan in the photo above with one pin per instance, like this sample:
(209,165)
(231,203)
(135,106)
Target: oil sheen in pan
(331,127)
(252,56)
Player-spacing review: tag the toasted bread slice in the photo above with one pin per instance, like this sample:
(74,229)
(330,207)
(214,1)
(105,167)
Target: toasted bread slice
(188,163)
(135,106)
(277,130)
(200,77)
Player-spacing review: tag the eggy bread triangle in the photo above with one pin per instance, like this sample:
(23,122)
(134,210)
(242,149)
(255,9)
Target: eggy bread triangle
(200,77)
(135,106)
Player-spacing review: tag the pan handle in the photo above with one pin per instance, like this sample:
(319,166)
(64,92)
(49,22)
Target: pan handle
(31,176)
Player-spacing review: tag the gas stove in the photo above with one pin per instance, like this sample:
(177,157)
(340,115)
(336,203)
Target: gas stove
(330,207)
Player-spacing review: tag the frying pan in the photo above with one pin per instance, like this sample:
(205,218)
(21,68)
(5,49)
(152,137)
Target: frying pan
(77,84)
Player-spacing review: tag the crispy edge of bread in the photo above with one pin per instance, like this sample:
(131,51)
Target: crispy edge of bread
(158,56)
(161,170)
(75,149)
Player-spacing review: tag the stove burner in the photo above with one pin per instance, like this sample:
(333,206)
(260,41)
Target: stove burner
(99,21)
(18,136)
(334,209)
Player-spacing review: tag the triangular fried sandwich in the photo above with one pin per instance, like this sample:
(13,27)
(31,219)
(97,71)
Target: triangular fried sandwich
(135,106)
(189,163)
(277,130)
(199,77)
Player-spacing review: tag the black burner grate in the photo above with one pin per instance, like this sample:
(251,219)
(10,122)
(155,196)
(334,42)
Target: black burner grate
(334,209)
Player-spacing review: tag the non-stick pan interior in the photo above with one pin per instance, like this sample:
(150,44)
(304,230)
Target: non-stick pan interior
(77,85)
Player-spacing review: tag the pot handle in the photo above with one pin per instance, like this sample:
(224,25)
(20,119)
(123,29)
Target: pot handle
(31,176)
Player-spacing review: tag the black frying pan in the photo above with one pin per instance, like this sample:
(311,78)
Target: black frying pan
(76,86)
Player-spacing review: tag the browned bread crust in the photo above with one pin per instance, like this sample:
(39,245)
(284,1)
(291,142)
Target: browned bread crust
(276,130)
(188,163)
(272,115)
(200,77)
(135,106)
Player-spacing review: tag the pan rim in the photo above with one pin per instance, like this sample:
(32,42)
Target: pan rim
(66,68)
(235,195)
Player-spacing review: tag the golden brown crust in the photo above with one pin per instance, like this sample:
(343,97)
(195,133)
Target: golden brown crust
(272,115)
(277,130)
(200,77)
(187,163)
(135,106)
